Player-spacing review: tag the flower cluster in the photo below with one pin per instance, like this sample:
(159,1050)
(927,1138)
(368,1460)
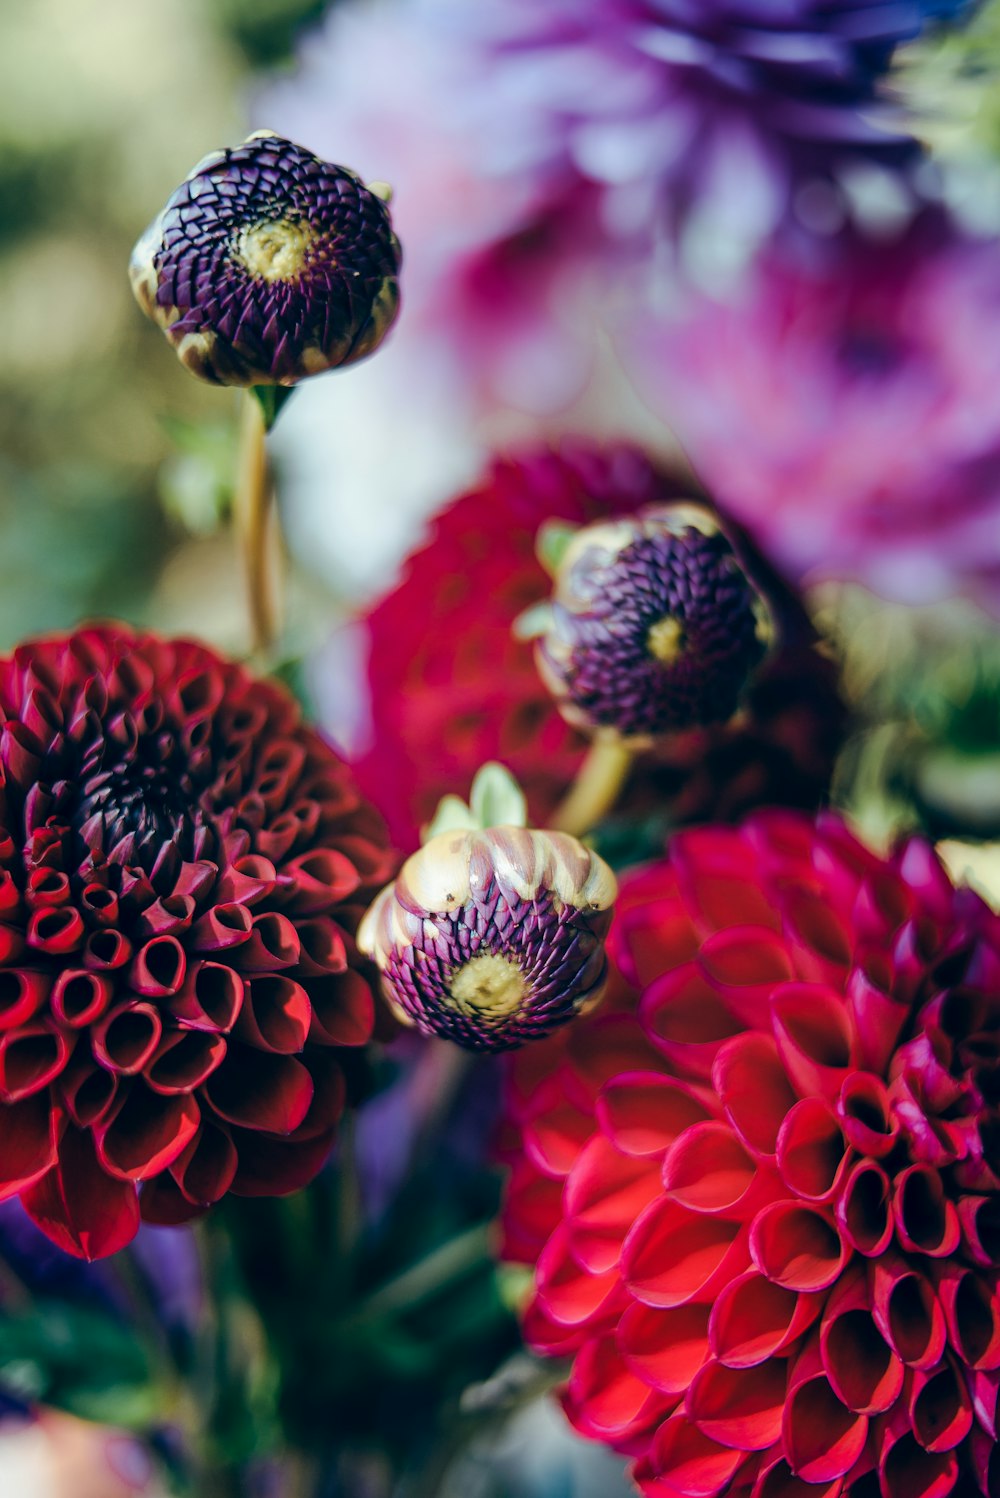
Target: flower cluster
(267,265)
(464,689)
(763,1198)
(182,868)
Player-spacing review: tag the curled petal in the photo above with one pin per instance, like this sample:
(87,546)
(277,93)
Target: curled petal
(672,1256)
(753,1319)
(664,1347)
(77,1204)
(145,1132)
(797,1246)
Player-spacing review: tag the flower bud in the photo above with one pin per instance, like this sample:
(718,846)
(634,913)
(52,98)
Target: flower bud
(653,625)
(492,937)
(267,265)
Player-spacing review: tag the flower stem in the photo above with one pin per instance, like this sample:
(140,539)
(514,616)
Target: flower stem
(596,788)
(255,523)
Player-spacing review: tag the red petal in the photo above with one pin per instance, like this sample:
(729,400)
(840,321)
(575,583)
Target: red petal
(79,1206)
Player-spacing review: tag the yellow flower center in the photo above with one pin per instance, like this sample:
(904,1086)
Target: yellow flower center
(488,987)
(665,640)
(275,251)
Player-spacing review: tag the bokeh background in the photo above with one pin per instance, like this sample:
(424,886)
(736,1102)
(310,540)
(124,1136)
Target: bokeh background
(116,466)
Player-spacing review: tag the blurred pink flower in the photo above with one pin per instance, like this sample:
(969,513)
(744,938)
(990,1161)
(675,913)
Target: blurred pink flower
(845,406)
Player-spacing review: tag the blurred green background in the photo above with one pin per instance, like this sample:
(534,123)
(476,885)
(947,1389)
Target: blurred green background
(114,462)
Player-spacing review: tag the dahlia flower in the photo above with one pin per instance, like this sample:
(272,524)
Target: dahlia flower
(267,265)
(183,863)
(652,626)
(761,1188)
(845,407)
(463,689)
(492,937)
(670,107)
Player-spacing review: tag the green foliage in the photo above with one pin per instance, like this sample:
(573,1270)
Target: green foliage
(82,1360)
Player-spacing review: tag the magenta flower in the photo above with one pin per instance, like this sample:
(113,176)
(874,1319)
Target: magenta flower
(846,408)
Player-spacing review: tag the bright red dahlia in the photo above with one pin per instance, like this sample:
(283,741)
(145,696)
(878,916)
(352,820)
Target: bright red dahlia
(461,690)
(764,1204)
(182,868)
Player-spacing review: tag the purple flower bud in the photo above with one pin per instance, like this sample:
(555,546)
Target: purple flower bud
(491,938)
(653,627)
(267,265)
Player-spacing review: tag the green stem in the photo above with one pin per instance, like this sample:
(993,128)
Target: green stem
(256,524)
(596,788)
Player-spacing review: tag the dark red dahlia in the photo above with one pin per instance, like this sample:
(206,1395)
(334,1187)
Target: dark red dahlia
(461,689)
(764,1197)
(182,868)
(267,265)
(653,625)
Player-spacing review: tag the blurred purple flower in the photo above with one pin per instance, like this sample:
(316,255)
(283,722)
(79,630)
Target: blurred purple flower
(844,405)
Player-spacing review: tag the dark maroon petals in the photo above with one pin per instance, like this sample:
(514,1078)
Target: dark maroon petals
(273,943)
(204,1171)
(329,1096)
(276,1015)
(106,951)
(99,905)
(271,1167)
(28,1141)
(11,945)
(127,1037)
(31,1058)
(56,930)
(261,1091)
(319,880)
(23,991)
(211,998)
(343,1009)
(162,1202)
(322,948)
(45,887)
(183,1060)
(145,1132)
(137,894)
(221,928)
(166,917)
(87,1090)
(83,1209)
(79,998)
(247,881)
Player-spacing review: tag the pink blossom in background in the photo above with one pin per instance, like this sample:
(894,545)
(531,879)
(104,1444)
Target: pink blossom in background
(845,406)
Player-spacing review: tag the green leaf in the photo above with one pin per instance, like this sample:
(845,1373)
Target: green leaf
(551,543)
(532,622)
(497,800)
(452,815)
(271,398)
